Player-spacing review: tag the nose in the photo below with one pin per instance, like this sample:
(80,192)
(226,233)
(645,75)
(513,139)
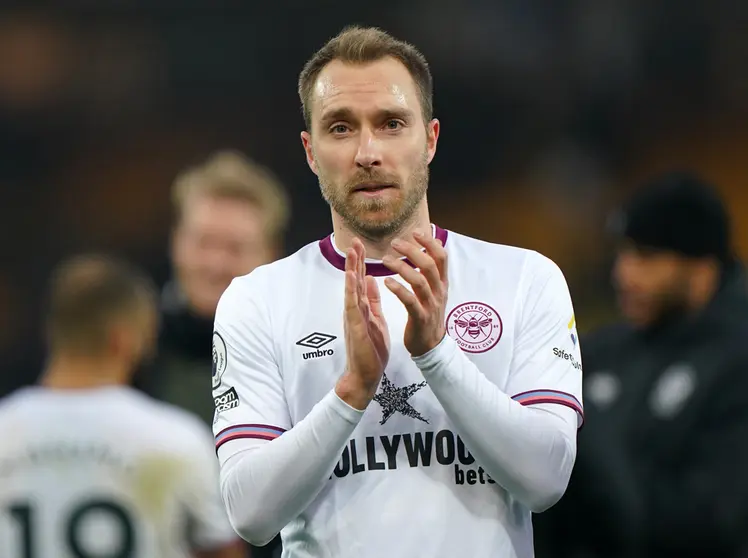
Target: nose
(369,153)
(217,261)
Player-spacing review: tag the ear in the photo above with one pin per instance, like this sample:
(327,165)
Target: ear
(306,141)
(432,133)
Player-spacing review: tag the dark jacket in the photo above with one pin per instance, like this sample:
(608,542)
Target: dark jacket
(181,373)
(662,463)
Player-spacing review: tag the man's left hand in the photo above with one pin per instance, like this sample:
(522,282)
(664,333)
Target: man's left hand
(427,303)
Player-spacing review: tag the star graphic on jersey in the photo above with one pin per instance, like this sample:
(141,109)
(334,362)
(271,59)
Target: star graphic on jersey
(395,400)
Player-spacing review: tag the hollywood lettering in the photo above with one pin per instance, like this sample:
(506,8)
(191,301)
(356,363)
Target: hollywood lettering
(419,449)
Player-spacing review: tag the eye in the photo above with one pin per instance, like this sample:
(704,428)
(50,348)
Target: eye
(393,124)
(339,129)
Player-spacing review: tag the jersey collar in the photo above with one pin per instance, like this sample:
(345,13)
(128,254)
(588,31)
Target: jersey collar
(375,268)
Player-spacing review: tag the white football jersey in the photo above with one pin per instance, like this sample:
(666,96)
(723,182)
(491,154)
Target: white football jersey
(105,472)
(406,484)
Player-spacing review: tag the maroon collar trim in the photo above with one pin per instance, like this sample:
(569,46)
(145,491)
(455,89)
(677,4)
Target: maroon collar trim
(375,269)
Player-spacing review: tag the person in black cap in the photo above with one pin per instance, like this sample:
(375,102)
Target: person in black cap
(662,464)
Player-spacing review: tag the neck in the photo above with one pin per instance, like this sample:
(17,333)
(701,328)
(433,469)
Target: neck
(69,372)
(377,248)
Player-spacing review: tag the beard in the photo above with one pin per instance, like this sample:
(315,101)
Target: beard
(377,217)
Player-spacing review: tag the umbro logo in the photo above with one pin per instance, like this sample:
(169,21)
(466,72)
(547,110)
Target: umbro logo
(316,341)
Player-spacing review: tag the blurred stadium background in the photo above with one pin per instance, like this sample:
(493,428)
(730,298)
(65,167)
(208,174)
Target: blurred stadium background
(551,110)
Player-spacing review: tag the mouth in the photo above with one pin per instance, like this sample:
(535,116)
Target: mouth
(372,188)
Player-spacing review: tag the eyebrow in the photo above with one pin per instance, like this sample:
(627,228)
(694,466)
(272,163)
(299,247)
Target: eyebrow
(346,114)
(337,114)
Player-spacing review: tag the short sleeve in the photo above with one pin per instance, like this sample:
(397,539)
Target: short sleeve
(547,364)
(210,528)
(247,385)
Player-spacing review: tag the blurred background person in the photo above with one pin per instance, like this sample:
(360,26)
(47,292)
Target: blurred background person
(89,466)
(661,468)
(231,216)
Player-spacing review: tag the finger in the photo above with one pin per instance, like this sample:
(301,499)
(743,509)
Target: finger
(374,296)
(363,300)
(436,250)
(422,260)
(351,293)
(360,270)
(356,316)
(362,267)
(420,284)
(351,260)
(358,248)
(408,299)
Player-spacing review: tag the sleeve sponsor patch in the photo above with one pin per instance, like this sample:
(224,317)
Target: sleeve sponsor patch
(219,358)
(565,355)
(226,400)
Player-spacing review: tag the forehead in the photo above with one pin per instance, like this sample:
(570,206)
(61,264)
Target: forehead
(381,85)
(221,212)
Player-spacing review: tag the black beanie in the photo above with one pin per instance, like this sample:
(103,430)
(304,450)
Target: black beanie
(678,212)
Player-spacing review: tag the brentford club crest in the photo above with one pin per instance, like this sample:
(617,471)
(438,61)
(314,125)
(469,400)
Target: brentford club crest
(476,327)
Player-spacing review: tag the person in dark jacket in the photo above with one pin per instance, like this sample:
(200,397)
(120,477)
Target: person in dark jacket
(231,216)
(662,466)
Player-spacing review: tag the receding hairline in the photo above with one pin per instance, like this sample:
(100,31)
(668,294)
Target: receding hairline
(412,91)
(365,45)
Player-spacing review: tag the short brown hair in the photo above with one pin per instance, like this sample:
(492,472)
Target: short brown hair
(86,294)
(360,45)
(230,174)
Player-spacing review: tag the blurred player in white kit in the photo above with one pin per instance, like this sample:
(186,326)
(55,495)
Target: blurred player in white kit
(89,467)
(394,390)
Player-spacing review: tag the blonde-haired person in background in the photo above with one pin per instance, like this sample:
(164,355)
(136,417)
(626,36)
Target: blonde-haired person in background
(230,217)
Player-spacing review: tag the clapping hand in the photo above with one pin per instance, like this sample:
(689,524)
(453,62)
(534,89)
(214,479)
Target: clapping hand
(367,339)
(427,304)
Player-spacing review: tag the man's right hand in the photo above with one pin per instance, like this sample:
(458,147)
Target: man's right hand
(367,338)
